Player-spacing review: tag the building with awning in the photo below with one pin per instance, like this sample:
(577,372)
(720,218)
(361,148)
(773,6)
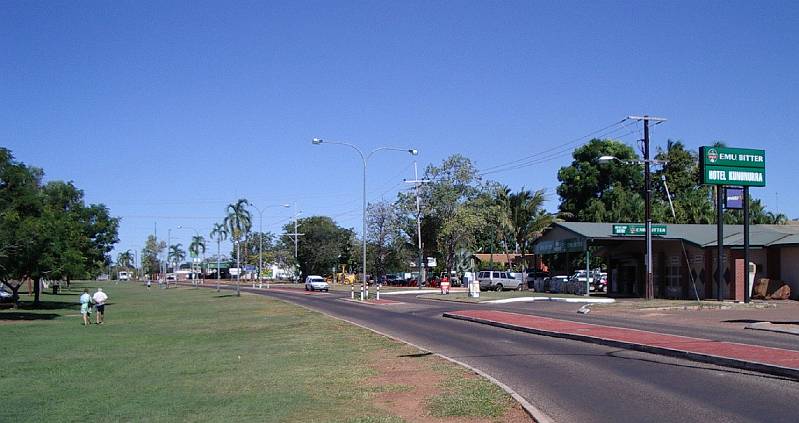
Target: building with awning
(684,255)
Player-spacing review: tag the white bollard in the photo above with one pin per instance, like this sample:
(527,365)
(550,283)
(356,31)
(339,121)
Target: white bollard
(352,292)
(378,292)
(361,292)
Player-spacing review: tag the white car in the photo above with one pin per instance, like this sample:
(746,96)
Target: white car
(498,280)
(316,283)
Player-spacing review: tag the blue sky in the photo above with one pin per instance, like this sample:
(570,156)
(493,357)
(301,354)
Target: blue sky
(167,111)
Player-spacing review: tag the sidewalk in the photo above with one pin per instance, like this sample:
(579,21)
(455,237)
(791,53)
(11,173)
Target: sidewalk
(776,361)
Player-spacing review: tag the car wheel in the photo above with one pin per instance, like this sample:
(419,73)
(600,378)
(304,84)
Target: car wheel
(499,287)
(306,287)
(519,287)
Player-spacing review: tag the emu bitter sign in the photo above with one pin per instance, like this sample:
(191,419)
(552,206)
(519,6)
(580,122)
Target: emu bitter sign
(732,166)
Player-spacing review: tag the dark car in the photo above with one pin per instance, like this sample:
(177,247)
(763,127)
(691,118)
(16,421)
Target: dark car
(535,280)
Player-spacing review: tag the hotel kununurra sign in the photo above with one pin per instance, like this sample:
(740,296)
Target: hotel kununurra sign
(732,166)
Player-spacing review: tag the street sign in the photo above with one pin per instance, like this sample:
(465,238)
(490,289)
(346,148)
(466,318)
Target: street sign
(638,229)
(431,262)
(732,166)
(733,198)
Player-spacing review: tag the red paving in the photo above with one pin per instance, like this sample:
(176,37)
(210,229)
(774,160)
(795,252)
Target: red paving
(729,350)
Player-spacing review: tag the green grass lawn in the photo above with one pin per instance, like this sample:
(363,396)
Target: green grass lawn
(188,354)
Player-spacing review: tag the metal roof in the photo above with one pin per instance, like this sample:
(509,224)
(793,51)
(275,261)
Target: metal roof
(700,235)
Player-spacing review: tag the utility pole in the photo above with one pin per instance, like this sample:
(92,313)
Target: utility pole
(295,234)
(649,284)
(417,182)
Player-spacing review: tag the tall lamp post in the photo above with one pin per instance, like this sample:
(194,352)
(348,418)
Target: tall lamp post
(260,247)
(295,234)
(365,160)
(649,285)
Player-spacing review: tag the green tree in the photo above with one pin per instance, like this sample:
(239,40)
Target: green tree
(445,201)
(150,262)
(47,230)
(238,222)
(218,233)
(197,245)
(125,259)
(323,244)
(176,255)
(590,191)
(386,248)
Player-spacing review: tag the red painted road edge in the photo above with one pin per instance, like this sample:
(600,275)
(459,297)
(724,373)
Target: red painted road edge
(775,361)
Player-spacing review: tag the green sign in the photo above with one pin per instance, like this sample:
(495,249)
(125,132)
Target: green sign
(569,245)
(732,166)
(638,229)
(742,176)
(734,157)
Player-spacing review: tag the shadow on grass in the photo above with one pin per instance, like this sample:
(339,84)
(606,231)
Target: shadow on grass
(417,355)
(22,316)
(47,305)
(225,296)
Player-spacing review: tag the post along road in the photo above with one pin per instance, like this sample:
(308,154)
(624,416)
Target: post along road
(568,380)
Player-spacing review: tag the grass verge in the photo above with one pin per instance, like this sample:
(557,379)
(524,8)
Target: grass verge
(187,354)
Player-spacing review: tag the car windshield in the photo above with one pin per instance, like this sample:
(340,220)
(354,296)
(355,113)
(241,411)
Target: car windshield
(317,280)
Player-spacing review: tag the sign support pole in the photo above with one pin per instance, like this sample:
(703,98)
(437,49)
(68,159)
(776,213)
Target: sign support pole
(747,287)
(720,236)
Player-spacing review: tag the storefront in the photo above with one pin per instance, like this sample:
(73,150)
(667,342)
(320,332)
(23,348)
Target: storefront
(684,256)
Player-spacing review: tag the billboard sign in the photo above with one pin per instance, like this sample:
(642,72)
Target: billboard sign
(732,166)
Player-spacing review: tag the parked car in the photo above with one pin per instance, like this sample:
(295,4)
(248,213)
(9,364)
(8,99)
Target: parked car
(498,280)
(536,280)
(316,283)
(556,283)
(5,296)
(601,282)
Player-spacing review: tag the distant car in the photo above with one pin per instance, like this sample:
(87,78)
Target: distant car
(102,277)
(170,277)
(393,280)
(556,283)
(536,279)
(498,280)
(316,283)
(5,296)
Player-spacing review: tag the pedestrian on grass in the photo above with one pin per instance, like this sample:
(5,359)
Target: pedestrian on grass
(149,282)
(85,306)
(99,298)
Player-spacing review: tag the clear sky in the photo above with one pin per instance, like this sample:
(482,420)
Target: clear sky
(166,111)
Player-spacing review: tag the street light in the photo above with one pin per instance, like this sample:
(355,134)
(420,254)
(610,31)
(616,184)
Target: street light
(238,267)
(365,160)
(295,234)
(260,247)
(649,288)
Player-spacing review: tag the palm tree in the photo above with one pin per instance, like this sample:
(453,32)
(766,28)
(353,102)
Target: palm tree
(196,248)
(218,232)
(176,254)
(125,259)
(238,222)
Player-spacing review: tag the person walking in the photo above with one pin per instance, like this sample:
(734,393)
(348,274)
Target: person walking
(99,298)
(85,305)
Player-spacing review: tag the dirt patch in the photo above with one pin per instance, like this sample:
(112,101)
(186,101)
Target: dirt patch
(404,384)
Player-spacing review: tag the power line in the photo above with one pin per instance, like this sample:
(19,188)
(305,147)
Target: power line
(559,151)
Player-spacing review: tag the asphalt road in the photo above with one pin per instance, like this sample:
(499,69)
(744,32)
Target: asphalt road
(572,381)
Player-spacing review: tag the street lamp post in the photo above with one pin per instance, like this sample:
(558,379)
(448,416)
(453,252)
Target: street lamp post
(238,267)
(649,286)
(296,235)
(365,160)
(260,247)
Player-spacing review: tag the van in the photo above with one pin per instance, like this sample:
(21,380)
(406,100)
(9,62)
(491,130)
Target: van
(498,280)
